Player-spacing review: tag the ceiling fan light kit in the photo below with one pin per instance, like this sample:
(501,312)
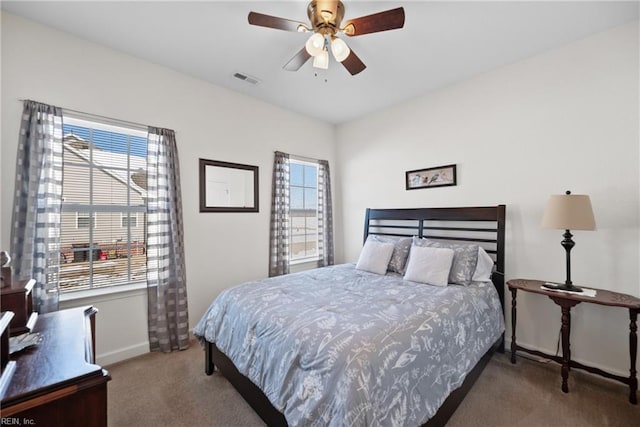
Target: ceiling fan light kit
(322,60)
(315,44)
(339,49)
(326,18)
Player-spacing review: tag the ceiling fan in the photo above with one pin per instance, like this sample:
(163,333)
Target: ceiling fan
(326,18)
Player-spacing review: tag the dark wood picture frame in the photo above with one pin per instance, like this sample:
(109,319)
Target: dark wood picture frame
(439,176)
(208,206)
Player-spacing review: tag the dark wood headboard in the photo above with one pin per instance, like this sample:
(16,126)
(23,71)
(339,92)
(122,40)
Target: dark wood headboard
(484,226)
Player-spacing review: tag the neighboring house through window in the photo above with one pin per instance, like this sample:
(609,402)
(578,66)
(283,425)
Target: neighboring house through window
(102,237)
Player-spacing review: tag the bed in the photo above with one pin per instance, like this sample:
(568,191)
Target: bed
(341,345)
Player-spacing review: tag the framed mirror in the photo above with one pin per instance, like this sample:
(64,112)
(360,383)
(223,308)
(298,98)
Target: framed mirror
(228,187)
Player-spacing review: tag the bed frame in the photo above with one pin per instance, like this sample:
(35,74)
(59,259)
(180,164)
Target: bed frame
(484,226)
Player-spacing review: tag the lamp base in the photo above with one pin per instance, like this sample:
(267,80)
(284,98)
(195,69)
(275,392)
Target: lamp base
(561,287)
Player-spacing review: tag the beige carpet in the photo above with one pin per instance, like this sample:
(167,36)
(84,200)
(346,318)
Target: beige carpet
(172,390)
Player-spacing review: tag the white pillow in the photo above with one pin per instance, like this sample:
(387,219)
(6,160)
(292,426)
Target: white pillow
(375,256)
(401,248)
(465,258)
(484,267)
(429,265)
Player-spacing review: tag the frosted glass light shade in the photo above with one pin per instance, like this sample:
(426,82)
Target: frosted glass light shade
(321,60)
(339,49)
(569,212)
(315,44)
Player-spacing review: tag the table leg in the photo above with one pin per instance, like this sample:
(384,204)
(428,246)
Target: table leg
(566,351)
(513,324)
(633,350)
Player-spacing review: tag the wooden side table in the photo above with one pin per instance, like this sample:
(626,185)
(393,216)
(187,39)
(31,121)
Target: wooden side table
(566,301)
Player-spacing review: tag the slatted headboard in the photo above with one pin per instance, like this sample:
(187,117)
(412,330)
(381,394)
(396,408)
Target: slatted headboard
(484,226)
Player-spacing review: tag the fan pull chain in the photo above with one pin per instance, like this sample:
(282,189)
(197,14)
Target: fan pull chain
(324,78)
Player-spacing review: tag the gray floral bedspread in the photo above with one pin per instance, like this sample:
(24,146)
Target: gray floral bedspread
(336,346)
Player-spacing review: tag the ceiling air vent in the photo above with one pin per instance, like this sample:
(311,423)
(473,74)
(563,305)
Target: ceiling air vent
(246,78)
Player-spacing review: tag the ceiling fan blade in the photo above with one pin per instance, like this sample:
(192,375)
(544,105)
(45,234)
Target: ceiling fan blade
(353,64)
(381,21)
(297,61)
(275,22)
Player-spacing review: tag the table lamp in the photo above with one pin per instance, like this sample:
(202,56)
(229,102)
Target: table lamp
(568,212)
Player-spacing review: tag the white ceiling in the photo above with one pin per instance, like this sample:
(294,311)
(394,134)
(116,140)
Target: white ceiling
(440,44)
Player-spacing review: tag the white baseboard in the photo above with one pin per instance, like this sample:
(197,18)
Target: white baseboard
(122,354)
(127,352)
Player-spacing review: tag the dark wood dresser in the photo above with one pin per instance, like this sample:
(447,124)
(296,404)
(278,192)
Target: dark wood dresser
(57,382)
(18,299)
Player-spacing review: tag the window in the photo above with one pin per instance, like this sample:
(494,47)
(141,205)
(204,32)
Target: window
(105,176)
(84,219)
(130,220)
(303,193)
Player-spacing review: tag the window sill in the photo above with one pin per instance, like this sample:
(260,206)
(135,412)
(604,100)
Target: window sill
(305,261)
(302,265)
(104,293)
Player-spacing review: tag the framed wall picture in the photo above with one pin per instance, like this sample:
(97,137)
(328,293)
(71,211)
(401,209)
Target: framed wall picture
(440,176)
(228,187)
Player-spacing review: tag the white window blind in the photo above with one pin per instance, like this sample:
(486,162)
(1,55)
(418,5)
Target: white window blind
(104,204)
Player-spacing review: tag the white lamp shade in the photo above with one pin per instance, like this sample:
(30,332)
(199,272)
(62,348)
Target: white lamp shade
(569,212)
(315,44)
(321,60)
(339,49)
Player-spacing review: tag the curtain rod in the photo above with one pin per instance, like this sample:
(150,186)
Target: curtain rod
(97,117)
(306,159)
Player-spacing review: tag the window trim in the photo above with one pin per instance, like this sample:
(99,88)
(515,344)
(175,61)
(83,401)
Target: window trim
(98,292)
(132,214)
(89,216)
(131,130)
(317,256)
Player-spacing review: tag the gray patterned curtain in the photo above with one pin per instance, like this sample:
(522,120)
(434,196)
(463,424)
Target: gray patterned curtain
(35,230)
(279,233)
(166,278)
(325,215)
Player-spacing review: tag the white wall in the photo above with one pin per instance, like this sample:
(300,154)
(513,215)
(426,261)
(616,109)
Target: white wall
(564,120)
(222,249)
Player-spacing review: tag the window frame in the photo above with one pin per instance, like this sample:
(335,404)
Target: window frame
(317,256)
(90,216)
(132,214)
(91,209)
